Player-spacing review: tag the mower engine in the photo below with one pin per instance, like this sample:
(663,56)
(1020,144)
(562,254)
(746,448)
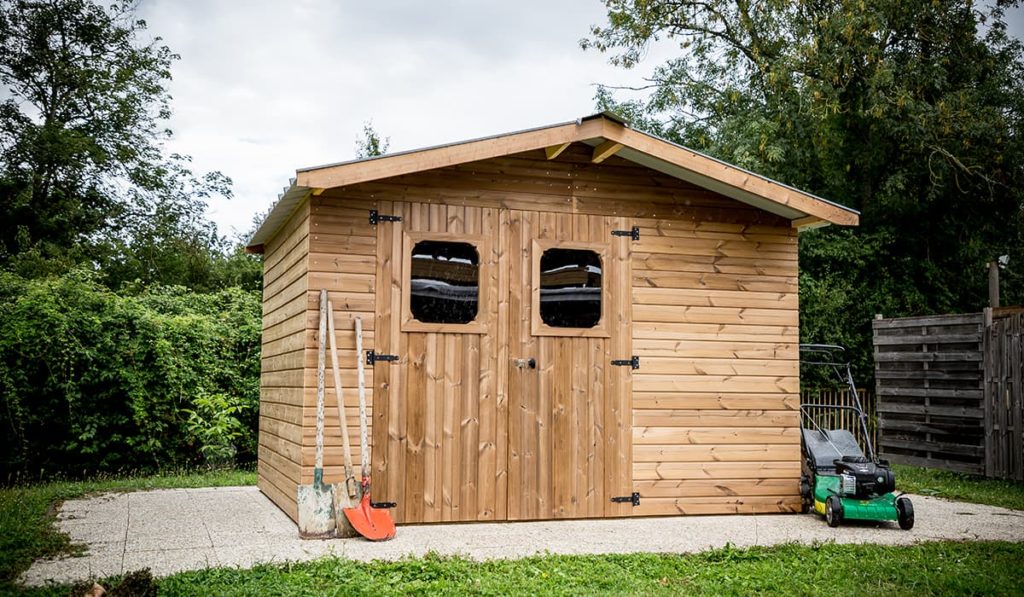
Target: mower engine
(862,479)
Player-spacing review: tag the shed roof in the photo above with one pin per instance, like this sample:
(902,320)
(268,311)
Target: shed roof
(607,133)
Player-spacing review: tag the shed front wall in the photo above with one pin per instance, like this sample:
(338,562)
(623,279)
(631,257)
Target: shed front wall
(713,293)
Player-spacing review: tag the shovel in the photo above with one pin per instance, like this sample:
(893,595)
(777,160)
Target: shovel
(346,494)
(373,523)
(316,501)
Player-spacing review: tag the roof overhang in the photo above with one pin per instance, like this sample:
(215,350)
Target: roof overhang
(605,132)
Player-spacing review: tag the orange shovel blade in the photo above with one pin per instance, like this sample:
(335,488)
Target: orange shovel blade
(373,523)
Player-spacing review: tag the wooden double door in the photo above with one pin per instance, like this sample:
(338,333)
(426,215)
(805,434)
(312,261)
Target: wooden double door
(512,410)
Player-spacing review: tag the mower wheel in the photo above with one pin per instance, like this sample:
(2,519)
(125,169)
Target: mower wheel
(806,499)
(905,513)
(833,511)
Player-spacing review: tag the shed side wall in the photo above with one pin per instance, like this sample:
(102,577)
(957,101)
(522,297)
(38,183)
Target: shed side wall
(285,267)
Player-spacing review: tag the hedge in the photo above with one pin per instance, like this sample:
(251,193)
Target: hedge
(93,381)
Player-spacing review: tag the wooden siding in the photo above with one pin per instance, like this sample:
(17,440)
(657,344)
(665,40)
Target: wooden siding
(716,398)
(342,259)
(712,423)
(285,268)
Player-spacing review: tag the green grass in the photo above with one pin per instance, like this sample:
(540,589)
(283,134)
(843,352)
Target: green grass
(960,487)
(27,512)
(948,568)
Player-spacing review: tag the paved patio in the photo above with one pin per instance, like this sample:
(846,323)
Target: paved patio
(184,529)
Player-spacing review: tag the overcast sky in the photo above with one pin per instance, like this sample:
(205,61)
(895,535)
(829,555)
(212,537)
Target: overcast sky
(264,87)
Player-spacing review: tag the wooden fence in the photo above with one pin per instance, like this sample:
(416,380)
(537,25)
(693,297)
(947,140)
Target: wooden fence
(815,401)
(1004,396)
(949,391)
(929,379)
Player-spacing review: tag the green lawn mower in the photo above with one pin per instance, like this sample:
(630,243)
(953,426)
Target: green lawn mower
(839,481)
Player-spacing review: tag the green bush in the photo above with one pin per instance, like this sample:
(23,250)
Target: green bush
(91,380)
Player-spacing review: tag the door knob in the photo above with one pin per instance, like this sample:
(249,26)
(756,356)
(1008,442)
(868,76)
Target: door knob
(523,363)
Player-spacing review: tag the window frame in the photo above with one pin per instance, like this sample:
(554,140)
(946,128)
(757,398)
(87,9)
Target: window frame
(537,325)
(482,323)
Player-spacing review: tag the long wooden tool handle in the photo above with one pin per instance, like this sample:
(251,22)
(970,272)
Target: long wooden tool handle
(342,422)
(320,366)
(364,449)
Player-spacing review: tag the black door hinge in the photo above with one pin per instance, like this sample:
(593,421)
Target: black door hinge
(633,233)
(376,217)
(372,357)
(632,362)
(383,505)
(634,499)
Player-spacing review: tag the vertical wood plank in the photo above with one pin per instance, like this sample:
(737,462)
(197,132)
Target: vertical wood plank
(470,427)
(512,254)
(382,394)
(595,428)
(487,454)
(559,379)
(618,414)
(415,400)
(501,365)
(431,443)
(450,406)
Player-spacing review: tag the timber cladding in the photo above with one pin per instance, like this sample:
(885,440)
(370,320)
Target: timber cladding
(464,426)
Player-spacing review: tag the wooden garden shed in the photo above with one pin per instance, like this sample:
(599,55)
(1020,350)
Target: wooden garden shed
(585,321)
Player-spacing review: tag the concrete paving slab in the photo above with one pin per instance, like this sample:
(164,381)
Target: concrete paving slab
(169,561)
(192,539)
(185,529)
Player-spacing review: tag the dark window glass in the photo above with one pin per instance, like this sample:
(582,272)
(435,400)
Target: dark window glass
(570,288)
(445,282)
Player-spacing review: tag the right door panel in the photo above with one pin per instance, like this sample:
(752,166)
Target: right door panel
(569,428)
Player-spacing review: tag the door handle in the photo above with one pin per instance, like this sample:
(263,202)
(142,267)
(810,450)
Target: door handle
(523,363)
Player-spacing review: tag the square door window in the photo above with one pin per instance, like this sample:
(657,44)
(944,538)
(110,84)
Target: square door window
(445,282)
(570,288)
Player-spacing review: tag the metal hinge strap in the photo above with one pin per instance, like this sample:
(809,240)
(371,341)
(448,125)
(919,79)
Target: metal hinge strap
(633,233)
(633,498)
(372,357)
(376,218)
(632,362)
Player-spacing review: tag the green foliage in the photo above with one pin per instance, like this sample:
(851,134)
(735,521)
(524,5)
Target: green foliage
(371,145)
(215,427)
(910,111)
(91,380)
(27,512)
(935,568)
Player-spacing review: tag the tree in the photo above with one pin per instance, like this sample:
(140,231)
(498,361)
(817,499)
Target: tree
(83,172)
(908,110)
(371,145)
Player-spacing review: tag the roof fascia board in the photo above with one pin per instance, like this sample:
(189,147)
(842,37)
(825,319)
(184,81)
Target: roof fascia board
(732,177)
(440,157)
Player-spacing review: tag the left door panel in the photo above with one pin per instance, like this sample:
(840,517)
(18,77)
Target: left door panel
(439,426)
